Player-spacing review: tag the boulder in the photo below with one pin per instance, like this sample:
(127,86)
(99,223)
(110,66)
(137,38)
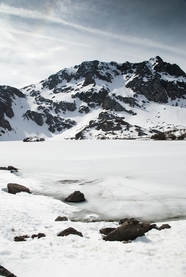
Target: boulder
(10,168)
(21,238)
(5,272)
(69,231)
(106,231)
(39,235)
(16,188)
(164,226)
(33,139)
(76,196)
(129,230)
(61,218)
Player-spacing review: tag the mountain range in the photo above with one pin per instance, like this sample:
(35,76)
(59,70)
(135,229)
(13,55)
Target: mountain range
(98,100)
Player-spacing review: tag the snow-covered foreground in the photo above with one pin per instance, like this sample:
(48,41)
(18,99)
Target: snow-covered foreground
(142,179)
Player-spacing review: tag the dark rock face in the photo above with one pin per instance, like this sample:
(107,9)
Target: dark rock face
(152,89)
(76,196)
(171,69)
(4,272)
(92,97)
(84,109)
(112,104)
(150,83)
(70,231)
(35,116)
(64,106)
(5,124)
(128,100)
(7,96)
(100,70)
(57,79)
(57,123)
(107,122)
(174,90)
(129,230)
(88,80)
(16,188)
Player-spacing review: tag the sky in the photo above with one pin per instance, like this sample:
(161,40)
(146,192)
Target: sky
(40,37)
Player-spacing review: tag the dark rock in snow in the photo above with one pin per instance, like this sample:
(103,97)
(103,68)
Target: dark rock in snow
(33,139)
(10,168)
(76,196)
(4,272)
(129,230)
(69,231)
(39,235)
(164,226)
(61,218)
(21,238)
(106,231)
(16,188)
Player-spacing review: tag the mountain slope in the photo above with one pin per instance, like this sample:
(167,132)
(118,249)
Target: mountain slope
(98,100)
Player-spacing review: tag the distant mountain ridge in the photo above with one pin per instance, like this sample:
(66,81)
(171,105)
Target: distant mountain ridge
(98,100)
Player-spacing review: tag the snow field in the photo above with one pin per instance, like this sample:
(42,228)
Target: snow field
(133,178)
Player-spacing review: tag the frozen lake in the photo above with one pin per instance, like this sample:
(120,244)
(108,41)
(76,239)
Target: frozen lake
(142,179)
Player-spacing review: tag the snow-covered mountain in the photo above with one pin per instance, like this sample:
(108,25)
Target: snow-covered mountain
(98,100)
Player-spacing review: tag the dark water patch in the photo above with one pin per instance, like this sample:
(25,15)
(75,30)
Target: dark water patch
(79,182)
(65,182)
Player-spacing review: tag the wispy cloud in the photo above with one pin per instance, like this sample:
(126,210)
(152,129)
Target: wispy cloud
(47,37)
(39,39)
(40,16)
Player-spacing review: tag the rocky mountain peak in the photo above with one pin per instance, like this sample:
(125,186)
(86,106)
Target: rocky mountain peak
(98,100)
(163,67)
